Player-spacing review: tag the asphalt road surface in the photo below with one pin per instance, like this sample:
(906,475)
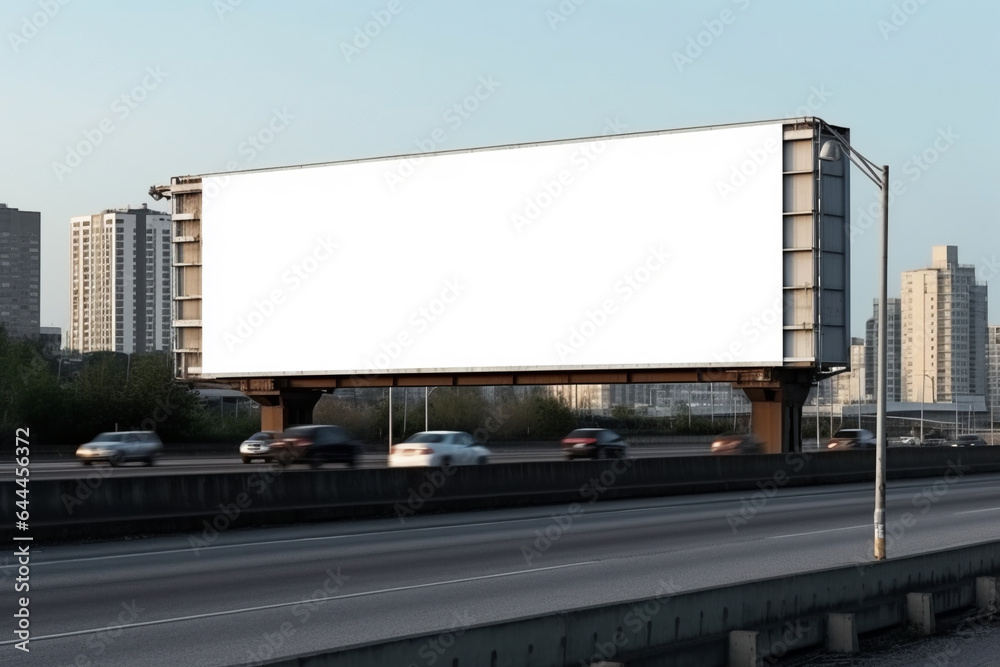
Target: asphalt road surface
(254,594)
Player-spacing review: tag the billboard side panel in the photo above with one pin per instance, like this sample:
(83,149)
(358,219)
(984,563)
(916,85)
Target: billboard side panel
(187,273)
(817,251)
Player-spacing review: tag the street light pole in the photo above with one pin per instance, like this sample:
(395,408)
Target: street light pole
(831,150)
(923,384)
(860,398)
(883,350)
(831,407)
(427,393)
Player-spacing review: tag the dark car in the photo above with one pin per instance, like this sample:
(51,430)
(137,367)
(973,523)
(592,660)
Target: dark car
(594,443)
(852,438)
(315,445)
(966,440)
(736,443)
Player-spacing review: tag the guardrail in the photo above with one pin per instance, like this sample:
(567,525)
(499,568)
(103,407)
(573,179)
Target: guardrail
(743,624)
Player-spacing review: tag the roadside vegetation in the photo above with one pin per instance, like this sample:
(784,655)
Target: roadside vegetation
(67,400)
(511,415)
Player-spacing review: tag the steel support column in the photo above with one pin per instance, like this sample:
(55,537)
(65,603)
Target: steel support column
(284,408)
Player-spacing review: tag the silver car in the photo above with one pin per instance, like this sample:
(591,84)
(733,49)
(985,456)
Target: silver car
(258,446)
(121,447)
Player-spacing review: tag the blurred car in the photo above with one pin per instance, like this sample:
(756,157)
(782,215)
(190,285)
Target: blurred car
(852,438)
(966,440)
(594,443)
(316,444)
(258,446)
(438,448)
(736,443)
(121,447)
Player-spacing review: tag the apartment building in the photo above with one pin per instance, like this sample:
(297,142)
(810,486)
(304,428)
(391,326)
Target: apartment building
(850,387)
(120,281)
(893,353)
(20,271)
(993,371)
(944,323)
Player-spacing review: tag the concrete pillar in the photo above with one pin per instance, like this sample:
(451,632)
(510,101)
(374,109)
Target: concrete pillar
(841,633)
(744,649)
(987,593)
(286,408)
(776,410)
(765,418)
(920,612)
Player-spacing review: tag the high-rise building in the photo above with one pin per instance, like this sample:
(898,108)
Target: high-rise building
(120,281)
(20,271)
(993,371)
(943,330)
(893,356)
(850,387)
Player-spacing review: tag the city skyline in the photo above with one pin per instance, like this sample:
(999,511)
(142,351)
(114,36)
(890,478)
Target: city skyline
(335,92)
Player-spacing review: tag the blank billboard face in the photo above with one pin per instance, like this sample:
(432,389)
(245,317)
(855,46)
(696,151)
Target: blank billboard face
(641,251)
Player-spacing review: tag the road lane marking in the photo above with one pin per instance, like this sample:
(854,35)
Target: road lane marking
(817,532)
(146,554)
(988,509)
(311,601)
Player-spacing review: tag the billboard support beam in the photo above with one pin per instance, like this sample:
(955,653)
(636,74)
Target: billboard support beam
(776,411)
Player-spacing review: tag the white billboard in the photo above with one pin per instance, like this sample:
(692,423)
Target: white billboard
(637,251)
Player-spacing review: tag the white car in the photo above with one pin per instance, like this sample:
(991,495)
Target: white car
(438,448)
(121,447)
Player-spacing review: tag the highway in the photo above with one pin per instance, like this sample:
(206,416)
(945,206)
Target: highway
(246,595)
(172,464)
(69,468)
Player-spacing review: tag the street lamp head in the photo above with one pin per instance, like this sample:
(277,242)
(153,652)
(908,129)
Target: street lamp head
(830,152)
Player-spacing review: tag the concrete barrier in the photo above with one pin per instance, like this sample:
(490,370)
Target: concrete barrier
(97,506)
(767,619)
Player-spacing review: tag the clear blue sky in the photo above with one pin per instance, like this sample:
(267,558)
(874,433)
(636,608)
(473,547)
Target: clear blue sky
(210,73)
